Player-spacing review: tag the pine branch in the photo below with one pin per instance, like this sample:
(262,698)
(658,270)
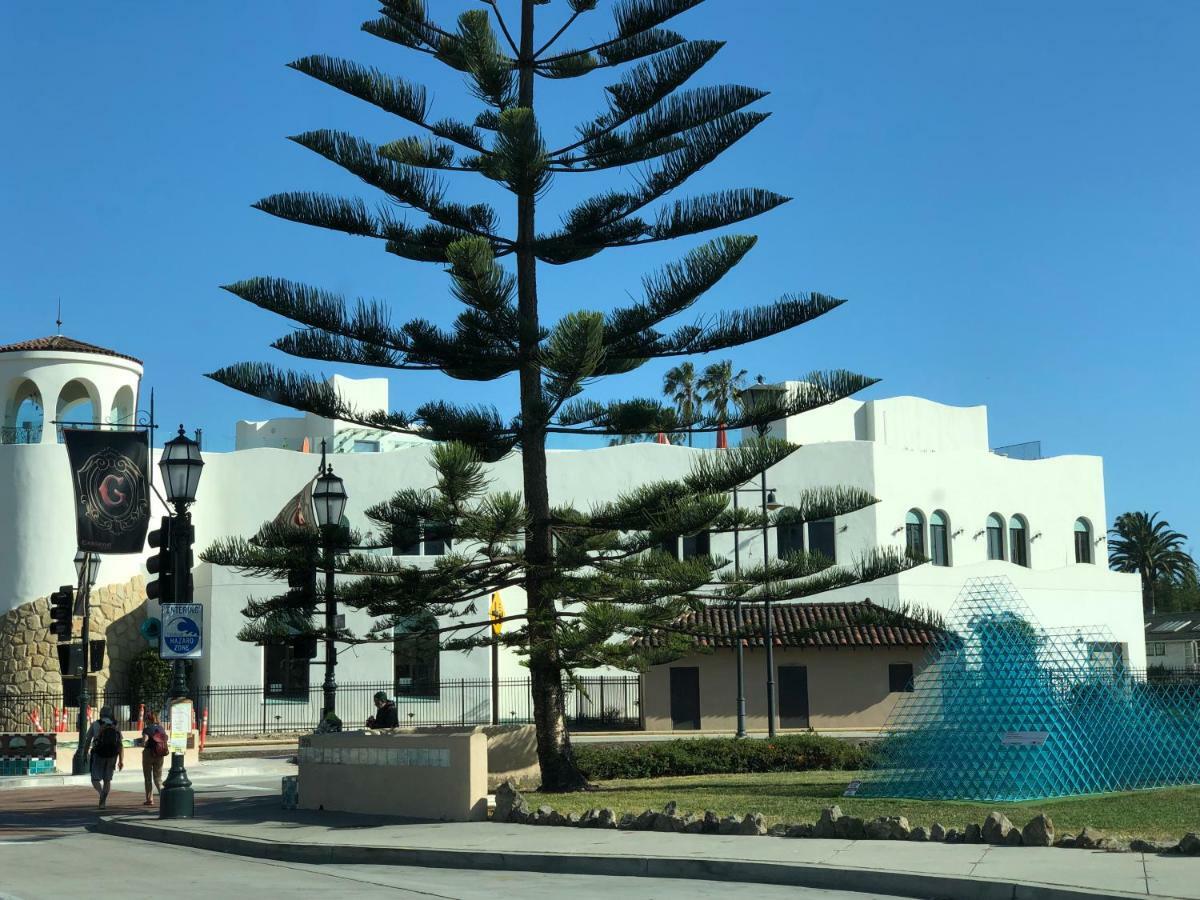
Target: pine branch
(503,26)
(634,17)
(579,62)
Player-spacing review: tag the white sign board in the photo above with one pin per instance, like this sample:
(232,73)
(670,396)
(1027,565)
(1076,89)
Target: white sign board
(182,628)
(181,724)
(1024,738)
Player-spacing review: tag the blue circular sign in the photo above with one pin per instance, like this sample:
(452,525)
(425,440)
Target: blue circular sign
(181,635)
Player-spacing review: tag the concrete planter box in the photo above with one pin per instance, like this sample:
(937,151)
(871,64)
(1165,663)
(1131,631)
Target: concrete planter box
(441,775)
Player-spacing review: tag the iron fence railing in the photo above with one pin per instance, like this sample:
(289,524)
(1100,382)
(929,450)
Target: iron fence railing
(20,435)
(594,703)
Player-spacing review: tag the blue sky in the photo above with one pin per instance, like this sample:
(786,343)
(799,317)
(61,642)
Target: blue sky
(1006,192)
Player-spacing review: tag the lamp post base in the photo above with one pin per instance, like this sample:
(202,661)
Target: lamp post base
(177,800)
(79,762)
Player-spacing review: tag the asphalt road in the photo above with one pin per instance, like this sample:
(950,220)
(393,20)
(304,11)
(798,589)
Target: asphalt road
(79,864)
(46,852)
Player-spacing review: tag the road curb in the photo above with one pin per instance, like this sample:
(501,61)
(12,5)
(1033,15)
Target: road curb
(905,884)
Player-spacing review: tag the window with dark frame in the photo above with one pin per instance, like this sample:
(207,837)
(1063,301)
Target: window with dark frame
(286,670)
(900,678)
(789,539)
(822,539)
(914,533)
(416,653)
(1083,541)
(1018,540)
(696,545)
(995,537)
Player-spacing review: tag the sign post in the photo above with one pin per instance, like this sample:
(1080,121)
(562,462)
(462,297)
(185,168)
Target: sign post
(496,614)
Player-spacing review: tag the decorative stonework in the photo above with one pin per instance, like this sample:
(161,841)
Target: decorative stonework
(29,656)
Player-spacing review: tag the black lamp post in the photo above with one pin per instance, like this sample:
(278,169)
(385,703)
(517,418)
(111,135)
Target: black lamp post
(87,567)
(768,503)
(180,465)
(329,503)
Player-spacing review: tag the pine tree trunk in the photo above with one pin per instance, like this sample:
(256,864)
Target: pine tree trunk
(559,772)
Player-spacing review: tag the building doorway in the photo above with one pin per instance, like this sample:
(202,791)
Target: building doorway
(793,697)
(685,698)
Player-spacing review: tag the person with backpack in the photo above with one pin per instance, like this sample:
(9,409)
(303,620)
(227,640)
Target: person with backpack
(107,748)
(155,749)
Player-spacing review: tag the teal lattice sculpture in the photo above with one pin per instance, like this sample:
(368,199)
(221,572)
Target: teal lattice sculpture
(1007,710)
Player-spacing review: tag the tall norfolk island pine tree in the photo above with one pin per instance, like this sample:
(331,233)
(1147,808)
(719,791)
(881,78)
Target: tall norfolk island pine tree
(592,578)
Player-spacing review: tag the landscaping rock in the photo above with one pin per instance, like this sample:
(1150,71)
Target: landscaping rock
(1014,839)
(996,828)
(712,822)
(693,824)
(1038,832)
(728,825)
(879,829)
(1140,846)
(752,824)
(627,821)
(606,819)
(779,829)
(1112,845)
(511,806)
(900,828)
(572,819)
(645,821)
(588,819)
(919,834)
(668,820)
(954,836)
(1067,841)
(826,826)
(804,830)
(851,828)
(937,832)
(972,835)
(1190,845)
(1089,839)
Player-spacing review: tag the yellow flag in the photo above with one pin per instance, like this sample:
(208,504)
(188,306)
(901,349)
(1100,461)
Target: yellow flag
(496,612)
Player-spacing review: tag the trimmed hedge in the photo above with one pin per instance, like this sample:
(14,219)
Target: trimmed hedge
(718,756)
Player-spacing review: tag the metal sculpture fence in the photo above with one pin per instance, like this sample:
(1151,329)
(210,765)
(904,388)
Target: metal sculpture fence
(1008,710)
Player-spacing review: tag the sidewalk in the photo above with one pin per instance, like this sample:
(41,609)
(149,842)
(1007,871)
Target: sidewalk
(262,830)
(132,773)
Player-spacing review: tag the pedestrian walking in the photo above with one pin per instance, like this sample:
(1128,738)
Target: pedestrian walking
(155,749)
(103,741)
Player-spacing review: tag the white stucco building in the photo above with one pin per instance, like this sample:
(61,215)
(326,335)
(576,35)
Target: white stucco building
(1041,522)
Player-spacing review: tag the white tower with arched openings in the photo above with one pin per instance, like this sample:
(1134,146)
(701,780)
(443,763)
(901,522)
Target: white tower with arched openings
(61,379)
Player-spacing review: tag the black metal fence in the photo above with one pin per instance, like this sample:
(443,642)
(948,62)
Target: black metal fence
(594,703)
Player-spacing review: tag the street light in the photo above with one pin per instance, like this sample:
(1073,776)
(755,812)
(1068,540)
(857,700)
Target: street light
(329,503)
(86,564)
(180,465)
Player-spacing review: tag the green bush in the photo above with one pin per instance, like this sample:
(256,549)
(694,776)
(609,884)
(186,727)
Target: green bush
(716,756)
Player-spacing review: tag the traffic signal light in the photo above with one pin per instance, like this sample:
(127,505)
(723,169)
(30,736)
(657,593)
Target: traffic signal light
(62,606)
(302,588)
(161,564)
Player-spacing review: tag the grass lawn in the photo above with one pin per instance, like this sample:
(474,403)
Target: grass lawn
(1162,814)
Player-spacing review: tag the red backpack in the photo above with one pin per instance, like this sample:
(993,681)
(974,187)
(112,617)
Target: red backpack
(156,743)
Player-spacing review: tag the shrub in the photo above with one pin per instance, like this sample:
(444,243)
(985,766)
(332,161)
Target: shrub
(716,756)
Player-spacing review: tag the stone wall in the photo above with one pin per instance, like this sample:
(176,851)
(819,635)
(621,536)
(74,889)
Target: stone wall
(29,655)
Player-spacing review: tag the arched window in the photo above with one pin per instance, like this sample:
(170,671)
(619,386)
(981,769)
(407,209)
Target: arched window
(939,538)
(995,536)
(77,404)
(914,533)
(23,418)
(416,650)
(1083,541)
(1018,540)
(122,407)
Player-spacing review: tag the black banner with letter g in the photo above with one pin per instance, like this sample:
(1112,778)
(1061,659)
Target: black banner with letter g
(110,474)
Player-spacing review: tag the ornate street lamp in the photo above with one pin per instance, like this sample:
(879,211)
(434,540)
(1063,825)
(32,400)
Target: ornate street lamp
(180,465)
(92,562)
(329,504)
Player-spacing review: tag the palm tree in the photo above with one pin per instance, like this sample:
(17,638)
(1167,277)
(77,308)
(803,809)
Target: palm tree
(1152,549)
(721,387)
(681,387)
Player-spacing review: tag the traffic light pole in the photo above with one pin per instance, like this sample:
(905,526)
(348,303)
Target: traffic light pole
(177,800)
(79,762)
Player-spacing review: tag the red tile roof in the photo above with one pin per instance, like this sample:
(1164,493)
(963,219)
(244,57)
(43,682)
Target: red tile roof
(808,625)
(61,343)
